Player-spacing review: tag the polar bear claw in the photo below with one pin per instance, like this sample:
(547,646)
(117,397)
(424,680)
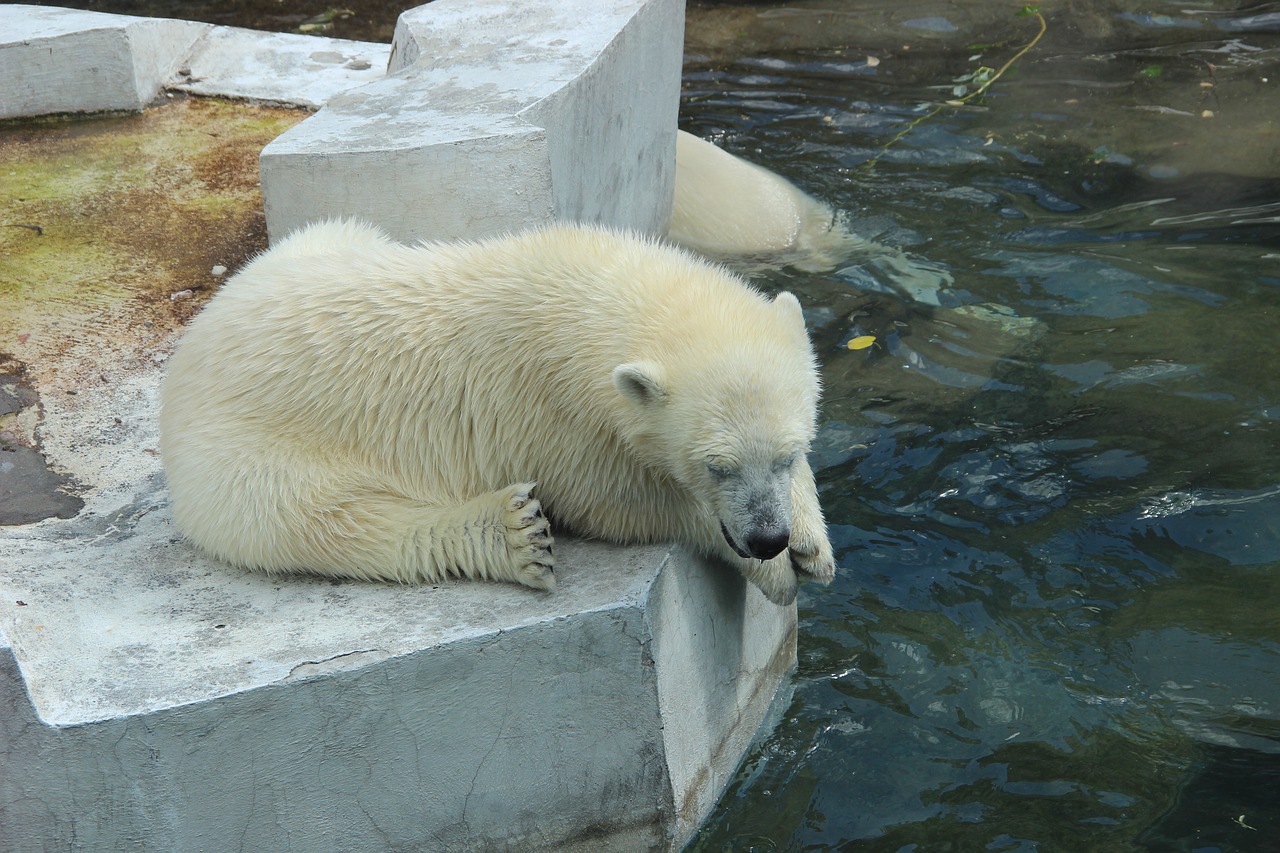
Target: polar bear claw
(528,535)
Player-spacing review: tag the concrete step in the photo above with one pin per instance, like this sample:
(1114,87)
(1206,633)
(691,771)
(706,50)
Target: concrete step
(150,699)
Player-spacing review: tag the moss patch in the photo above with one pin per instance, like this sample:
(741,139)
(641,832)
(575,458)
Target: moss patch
(102,220)
(110,229)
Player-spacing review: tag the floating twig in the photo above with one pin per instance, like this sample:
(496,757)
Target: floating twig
(986,75)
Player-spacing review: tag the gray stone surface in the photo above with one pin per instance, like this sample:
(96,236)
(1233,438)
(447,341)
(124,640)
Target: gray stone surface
(278,67)
(56,60)
(497,116)
(59,60)
(161,701)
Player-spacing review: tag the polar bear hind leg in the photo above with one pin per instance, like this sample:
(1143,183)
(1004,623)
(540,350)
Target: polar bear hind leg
(498,536)
(345,526)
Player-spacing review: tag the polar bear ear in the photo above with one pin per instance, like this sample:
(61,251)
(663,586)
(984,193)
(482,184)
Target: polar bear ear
(640,382)
(787,303)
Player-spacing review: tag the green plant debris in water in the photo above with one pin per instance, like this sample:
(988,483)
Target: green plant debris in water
(969,86)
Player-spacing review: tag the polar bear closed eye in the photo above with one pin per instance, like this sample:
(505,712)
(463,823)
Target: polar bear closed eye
(352,407)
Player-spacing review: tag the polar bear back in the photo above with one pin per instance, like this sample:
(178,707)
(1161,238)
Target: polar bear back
(452,369)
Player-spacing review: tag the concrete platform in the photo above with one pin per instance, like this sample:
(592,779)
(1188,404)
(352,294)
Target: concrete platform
(158,701)
(59,60)
(55,60)
(496,115)
(153,699)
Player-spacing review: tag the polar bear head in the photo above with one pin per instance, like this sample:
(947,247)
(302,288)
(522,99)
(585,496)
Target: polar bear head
(730,417)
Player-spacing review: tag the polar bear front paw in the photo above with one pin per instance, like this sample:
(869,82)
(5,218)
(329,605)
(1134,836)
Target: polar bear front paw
(773,577)
(529,538)
(812,558)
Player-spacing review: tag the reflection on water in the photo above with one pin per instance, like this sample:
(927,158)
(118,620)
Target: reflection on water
(1053,484)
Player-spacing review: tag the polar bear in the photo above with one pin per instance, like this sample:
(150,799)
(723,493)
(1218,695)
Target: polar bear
(725,207)
(349,406)
(729,209)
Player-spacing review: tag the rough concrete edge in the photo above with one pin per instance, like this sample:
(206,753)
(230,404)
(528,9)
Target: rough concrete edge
(565,155)
(694,797)
(777,707)
(351,652)
(358,659)
(159,744)
(295,186)
(146,51)
(159,48)
(12,680)
(194,75)
(772,691)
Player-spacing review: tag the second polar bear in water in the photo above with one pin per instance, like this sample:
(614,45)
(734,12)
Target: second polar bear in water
(726,207)
(349,406)
(732,210)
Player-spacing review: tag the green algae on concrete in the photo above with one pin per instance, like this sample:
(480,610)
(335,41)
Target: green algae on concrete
(114,230)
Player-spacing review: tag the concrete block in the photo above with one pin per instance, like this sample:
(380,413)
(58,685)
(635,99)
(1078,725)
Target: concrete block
(160,701)
(60,60)
(278,67)
(499,115)
(721,651)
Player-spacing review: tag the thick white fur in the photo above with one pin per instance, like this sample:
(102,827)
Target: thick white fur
(727,207)
(349,406)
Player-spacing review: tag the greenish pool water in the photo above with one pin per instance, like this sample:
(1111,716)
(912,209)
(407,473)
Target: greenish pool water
(1055,494)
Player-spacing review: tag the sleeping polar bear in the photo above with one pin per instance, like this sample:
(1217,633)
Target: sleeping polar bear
(353,407)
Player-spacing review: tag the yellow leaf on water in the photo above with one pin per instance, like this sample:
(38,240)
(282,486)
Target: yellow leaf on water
(862,341)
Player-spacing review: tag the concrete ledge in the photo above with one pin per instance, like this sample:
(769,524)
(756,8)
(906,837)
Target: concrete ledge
(58,60)
(55,60)
(278,67)
(497,116)
(188,703)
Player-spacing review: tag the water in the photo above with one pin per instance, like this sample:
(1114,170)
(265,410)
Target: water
(1055,494)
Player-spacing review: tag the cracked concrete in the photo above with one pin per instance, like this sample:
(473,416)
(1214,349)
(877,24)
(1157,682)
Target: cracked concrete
(335,663)
(551,706)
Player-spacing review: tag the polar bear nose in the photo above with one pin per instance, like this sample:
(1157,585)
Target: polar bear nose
(768,544)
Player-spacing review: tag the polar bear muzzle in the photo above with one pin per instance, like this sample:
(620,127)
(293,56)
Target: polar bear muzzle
(768,543)
(755,510)
(764,544)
